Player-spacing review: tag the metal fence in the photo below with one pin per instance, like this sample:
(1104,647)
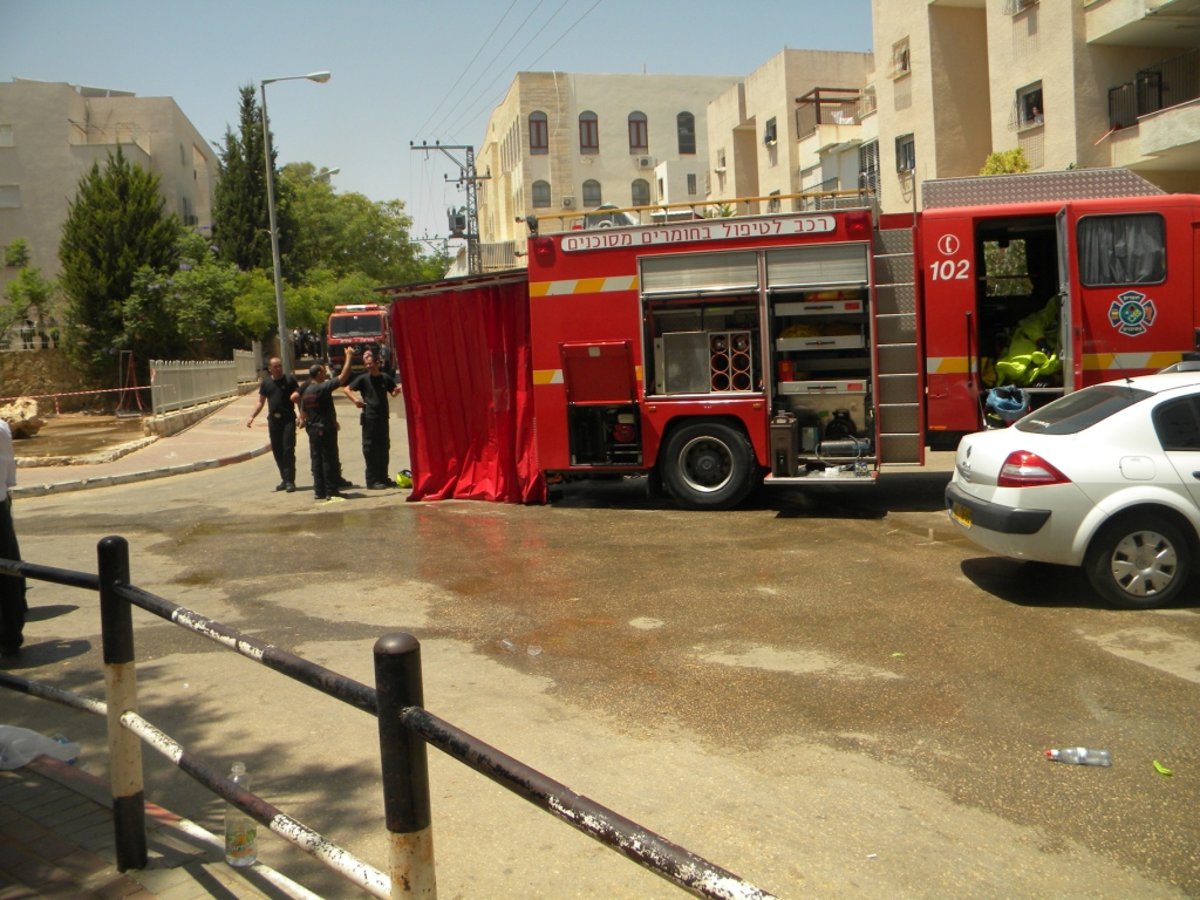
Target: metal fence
(245,363)
(1160,86)
(178,384)
(405,727)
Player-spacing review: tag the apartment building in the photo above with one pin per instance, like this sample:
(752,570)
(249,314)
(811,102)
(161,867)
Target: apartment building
(1092,84)
(794,124)
(50,135)
(563,142)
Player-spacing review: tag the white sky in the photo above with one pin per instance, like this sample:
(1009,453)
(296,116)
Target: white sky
(402,71)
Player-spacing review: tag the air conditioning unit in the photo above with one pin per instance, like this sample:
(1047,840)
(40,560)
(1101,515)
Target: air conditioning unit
(645,162)
(568,202)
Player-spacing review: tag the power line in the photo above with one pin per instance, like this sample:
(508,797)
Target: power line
(470,114)
(565,33)
(467,67)
(466,94)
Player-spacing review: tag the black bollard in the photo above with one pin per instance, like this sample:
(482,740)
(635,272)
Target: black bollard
(405,767)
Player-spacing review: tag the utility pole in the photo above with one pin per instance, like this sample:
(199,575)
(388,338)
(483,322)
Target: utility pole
(468,179)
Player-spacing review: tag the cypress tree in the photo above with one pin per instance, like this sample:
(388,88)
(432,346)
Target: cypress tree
(241,222)
(114,228)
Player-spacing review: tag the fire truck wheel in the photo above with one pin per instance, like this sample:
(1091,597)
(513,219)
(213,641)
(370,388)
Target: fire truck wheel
(708,466)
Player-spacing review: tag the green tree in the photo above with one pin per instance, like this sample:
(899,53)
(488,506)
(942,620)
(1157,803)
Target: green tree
(1006,162)
(241,220)
(28,291)
(115,226)
(349,233)
(254,305)
(16,254)
(185,314)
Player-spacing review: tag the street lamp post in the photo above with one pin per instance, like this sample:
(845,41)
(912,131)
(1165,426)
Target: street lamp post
(285,341)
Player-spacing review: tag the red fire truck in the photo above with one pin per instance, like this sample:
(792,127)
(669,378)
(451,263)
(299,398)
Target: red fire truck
(790,348)
(359,325)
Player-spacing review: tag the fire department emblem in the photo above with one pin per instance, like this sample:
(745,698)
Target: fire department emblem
(1132,313)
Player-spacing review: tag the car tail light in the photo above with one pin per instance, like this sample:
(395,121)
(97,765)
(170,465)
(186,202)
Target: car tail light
(1025,469)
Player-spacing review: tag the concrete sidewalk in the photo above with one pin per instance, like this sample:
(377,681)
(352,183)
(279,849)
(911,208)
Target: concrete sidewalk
(57,840)
(220,438)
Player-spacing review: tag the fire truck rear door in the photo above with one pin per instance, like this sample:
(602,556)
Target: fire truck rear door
(1070,317)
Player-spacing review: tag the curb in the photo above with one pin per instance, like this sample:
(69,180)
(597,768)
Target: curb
(62,487)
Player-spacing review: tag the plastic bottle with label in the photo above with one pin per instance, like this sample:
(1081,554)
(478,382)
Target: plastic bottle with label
(241,831)
(1080,756)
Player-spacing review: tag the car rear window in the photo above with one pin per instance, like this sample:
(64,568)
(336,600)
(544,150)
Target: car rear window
(1082,409)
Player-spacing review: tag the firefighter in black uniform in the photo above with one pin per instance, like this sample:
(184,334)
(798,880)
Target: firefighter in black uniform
(317,418)
(276,392)
(373,388)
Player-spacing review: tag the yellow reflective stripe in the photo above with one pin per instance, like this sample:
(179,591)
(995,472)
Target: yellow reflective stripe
(582,286)
(1103,362)
(946,365)
(555,376)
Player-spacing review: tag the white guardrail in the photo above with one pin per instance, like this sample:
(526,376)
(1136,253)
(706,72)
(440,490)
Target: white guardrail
(179,384)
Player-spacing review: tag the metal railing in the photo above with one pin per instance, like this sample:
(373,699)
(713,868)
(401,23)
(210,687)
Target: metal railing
(405,727)
(1160,86)
(245,364)
(827,106)
(691,210)
(178,384)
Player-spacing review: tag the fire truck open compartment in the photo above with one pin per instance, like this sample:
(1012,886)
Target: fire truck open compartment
(1020,276)
(790,323)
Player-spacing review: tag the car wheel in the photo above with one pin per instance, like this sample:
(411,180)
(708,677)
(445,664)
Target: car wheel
(708,466)
(1139,562)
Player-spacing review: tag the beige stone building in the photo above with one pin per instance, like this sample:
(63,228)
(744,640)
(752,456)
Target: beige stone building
(564,143)
(794,124)
(1094,83)
(50,135)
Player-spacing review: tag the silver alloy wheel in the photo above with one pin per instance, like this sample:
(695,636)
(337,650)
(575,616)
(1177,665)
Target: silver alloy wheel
(1144,563)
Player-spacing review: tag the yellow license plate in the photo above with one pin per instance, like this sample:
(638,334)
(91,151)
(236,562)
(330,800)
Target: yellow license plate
(960,514)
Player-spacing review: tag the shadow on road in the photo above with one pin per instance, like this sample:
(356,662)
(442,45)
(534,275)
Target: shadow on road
(1039,584)
(873,499)
(45,613)
(45,653)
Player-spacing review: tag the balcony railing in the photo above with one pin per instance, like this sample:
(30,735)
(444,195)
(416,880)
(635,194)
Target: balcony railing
(826,106)
(1161,86)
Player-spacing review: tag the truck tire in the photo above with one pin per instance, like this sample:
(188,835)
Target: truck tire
(1139,561)
(708,465)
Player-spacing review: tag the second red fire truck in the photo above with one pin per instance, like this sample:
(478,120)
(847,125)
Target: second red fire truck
(359,325)
(790,348)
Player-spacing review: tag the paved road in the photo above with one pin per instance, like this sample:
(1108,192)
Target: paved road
(825,693)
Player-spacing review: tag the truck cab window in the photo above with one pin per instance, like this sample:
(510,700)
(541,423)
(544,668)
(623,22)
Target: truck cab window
(1118,250)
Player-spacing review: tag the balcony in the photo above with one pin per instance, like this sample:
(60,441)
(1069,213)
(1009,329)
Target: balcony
(1142,23)
(828,118)
(1170,83)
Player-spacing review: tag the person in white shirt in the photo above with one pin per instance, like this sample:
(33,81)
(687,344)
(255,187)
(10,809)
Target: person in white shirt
(12,587)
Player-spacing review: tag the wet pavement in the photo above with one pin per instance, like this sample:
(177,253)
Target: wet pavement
(825,692)
(79,434)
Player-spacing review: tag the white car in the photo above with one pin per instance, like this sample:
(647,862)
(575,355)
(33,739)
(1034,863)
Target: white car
(1107,478)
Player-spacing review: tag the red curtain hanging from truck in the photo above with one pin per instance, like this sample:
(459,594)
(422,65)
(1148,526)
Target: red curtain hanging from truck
(463,353)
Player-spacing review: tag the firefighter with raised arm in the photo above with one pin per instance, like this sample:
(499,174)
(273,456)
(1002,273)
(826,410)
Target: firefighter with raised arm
(317,419)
